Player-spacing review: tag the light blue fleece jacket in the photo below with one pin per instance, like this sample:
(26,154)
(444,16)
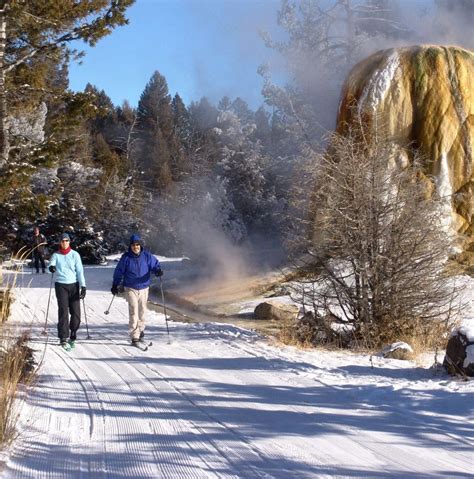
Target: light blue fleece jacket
(69,268)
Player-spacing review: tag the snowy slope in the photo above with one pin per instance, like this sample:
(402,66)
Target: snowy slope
(219,401)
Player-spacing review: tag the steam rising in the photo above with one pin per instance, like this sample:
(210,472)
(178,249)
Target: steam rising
(211,239)
(209,231)
(207,224)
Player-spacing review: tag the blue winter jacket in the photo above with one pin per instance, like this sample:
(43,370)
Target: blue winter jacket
(135,270)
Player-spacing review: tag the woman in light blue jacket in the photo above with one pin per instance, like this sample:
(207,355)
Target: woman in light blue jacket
(70,288)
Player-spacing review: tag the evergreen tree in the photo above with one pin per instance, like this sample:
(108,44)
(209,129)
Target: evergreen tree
(104,156)
(159,156)
(105,133)
(181,120)
(105,110)
(182,135)
(242,110)
(32,34)
(204,150)
(242,168)
(263,132)
(125,137)
(224,104)
(203,114)
(42,124)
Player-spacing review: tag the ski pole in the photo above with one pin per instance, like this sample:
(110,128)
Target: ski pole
(164,308)
(85,317)
(44,332)
(108,309)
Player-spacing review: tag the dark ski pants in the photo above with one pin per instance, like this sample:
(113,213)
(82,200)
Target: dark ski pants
(68,303)
(38,257)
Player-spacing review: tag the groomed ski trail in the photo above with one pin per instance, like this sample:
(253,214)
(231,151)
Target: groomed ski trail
(221,402)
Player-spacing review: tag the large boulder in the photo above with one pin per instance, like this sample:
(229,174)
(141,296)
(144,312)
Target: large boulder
(424,97)
(459,358)
(276,310)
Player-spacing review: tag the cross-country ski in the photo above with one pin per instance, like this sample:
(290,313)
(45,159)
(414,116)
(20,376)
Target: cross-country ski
(140,345)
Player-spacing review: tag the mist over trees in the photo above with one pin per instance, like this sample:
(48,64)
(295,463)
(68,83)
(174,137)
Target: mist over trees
(176,172)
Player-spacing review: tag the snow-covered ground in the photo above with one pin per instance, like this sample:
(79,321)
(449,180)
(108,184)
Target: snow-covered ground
(218,401)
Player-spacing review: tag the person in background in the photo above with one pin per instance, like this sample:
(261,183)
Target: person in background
(70,288)
(134,269)
(37,244)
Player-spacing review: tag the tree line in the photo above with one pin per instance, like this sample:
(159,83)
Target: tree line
(107,169)
(76,161)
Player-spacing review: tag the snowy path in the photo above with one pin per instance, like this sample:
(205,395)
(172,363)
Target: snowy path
(222,402)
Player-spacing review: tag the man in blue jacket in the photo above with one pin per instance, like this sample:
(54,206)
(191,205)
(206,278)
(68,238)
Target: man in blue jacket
(134,269)
(70,287)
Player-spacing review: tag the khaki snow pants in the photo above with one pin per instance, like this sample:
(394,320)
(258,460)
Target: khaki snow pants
(137,299)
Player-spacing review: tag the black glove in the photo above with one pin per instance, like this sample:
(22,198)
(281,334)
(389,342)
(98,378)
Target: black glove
(159,273)
(52,269)
(114,289)
(82,294)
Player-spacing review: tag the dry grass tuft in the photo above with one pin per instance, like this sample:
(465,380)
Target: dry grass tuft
(17,369)
(422,336)
(5,303)
(17,364)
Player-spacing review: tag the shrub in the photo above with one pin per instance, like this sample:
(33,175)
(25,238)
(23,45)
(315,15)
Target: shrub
(375,251)
(16,365)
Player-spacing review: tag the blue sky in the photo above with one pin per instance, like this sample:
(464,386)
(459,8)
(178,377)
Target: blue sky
(202,47)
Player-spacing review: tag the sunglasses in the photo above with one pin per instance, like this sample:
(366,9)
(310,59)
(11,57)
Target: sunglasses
(136,244)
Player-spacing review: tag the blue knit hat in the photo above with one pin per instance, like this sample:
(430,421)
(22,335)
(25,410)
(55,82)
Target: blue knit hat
(64,236)
(135,238)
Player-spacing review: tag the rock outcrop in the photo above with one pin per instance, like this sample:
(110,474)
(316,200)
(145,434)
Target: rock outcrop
(424,98)
(276,310)
(459,357)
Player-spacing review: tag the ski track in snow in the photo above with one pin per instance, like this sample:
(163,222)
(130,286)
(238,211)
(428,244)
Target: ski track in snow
(223,402)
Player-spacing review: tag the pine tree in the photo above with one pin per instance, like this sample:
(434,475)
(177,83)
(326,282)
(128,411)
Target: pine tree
(203,114)
(263,131)
(161,156)
(181,121)
(33,33)
(152,112)
(125,137)
(242,110)
(242,168)
(35,39)
(224,104)
(183,134)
